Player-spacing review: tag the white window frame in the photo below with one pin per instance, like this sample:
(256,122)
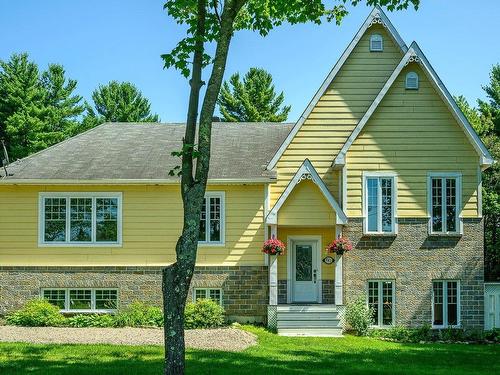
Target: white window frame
(458,203)
(409,75)
(372,38)
(445,304)
(379,175)
(92,302)
(207,293)
(380,301)
(222,196)
(68,196)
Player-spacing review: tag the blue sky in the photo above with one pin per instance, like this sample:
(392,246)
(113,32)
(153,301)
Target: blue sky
(99,41)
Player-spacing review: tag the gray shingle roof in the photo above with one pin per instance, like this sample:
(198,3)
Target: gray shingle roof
(142,151)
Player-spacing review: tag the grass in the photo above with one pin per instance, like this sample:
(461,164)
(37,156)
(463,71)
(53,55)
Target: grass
(273,355)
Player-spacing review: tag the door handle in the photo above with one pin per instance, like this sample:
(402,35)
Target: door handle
(315,272)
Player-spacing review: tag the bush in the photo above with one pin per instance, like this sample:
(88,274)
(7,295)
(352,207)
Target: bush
(37,313)
(359,316)
(93,320)
(205,313)
(403,334)
(139,314)
(452,334)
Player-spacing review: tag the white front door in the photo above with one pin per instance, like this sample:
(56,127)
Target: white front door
(305,273)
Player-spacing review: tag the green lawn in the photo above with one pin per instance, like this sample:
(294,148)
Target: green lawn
(273,355)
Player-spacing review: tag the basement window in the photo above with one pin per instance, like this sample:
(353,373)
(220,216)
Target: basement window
(411,81)
(376,43)
(74,300)
(214,294)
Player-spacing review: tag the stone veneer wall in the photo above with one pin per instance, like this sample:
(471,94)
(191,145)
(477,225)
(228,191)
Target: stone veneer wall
(244,288)
(327,291)
(414,259)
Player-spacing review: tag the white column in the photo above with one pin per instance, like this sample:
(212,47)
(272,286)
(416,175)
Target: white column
(339,285)
(273,273)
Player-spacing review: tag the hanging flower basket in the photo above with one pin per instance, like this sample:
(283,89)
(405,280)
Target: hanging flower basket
(273,247)
(339,246)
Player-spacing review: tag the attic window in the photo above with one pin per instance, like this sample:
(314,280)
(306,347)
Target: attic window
(411,81)
(376,43)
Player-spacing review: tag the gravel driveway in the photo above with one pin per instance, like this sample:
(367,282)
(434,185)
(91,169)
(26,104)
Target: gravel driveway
(226,339)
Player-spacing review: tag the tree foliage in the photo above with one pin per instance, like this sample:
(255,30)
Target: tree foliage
(215,22)
(117,102)
(253,99)
(485,121)
(37,109)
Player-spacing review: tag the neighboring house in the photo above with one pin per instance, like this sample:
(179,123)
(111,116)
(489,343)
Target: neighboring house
(382,155)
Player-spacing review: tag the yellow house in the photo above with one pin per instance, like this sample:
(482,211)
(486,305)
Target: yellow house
(382,157)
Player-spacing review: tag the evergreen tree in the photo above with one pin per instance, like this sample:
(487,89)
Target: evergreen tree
(253,99)
(118,102)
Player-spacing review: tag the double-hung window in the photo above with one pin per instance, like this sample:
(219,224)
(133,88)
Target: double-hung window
(381,300)
(445,303)
(80,219)
(379,203)
(212,219)
(444,203)
(82,300)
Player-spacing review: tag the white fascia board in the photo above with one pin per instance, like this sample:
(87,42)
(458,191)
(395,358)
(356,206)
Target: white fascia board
(306,167)
(415,52)
(376,13)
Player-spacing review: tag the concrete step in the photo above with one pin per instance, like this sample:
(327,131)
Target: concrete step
(308,320)
(287,315)
(307,308)
(310,332)
(334,323)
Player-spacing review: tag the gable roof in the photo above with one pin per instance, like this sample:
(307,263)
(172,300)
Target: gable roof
(415,54)
(141,152)
(376,16)
(306,170)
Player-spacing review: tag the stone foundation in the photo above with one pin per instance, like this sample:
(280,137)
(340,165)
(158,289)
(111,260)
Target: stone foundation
(244,288)
(413,259)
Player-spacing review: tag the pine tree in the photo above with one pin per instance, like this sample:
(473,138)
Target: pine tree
(253,99)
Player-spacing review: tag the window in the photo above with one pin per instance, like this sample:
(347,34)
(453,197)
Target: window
(379,203)
(444,203)
(212,219)
(376,43)
(381,300)
(208,293)
(80,219)
(82,300)
(445,303)
(411,81)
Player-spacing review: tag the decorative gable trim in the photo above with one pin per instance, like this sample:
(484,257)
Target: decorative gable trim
(377,16)
(306,172)
(415,54)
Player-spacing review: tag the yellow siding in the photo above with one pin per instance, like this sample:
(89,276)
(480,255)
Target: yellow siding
(412,132)
(152,222)
(306,206)
(338,111)
(327,236)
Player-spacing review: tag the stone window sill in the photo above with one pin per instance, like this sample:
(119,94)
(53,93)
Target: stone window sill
(445,235)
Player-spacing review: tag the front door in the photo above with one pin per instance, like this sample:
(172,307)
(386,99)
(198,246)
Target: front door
(305,277)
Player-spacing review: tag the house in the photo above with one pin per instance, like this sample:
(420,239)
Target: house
(381,155)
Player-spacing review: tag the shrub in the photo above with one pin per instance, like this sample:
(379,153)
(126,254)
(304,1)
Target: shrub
(452,334)
(37,313)
(205,313)
(359,316)
(139,314)
(403,334)
(93,320)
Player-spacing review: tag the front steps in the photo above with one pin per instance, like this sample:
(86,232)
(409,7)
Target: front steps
(308,320)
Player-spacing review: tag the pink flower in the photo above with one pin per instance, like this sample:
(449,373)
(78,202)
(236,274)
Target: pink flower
(273,246)
(339,246)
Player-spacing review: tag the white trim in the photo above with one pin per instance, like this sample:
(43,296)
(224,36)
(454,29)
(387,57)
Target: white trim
(479,192)
(306,168)
(289,264)
(458,202)
(139,181)
(445,303)
(344,188)
(376,13)
(339,272)
(380,39)
(207,291)
(380,301)
(92,300)
(76,194)
(394,197)
(222,241)
(267,204)
(414,54)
